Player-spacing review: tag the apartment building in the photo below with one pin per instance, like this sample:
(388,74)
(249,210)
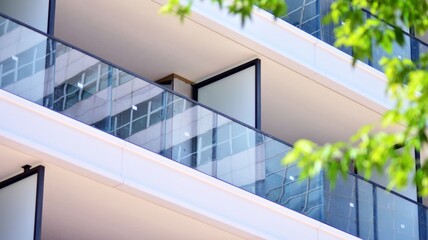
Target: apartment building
(149,128)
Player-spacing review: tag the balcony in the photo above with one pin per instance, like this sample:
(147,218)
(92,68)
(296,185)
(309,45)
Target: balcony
(307,16)
(64,79)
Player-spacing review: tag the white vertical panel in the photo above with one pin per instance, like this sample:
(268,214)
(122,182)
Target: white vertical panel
(32,12)
(18,209)
(234,95)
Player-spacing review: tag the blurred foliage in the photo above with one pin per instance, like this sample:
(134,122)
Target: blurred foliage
(369,150)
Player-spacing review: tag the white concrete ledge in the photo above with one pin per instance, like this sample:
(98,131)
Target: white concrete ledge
(59,140)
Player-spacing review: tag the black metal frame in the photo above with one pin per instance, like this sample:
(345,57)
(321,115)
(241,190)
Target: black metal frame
(40,171)
(51,17)
(410,34)
(257,64)
(422,213)
(387,189)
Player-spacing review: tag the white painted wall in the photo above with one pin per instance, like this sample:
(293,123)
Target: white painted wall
(17,208)
(234,96)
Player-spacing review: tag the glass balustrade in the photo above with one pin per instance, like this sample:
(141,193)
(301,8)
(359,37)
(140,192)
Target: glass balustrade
(368,210)
(308,14)
(71,82)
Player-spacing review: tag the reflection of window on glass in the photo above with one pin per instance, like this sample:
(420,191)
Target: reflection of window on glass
(304,14)
(6,26)
(23,65)
(87,83)
(138,117)
(61,49)
(143,115)
(230,139)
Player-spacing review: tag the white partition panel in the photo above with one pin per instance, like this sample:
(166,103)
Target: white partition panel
(234,93)
(32,12)
(20,205)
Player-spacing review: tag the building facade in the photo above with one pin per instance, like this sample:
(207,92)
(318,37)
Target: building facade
(122,105)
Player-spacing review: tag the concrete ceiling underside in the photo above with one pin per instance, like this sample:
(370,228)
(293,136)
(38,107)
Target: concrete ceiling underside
(132,34)
(75,207)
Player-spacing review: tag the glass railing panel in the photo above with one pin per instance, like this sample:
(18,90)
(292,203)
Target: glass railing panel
(91,91)
(340,208)
(365,208)
(204,122)
(422,47)
(397,51)
(423,222)
(137,109)
(6,26)
(308,15)
(81,90)
(25,62)
(396,217)
(284,186)
(327,30)
(182,130)
(369,211)
(418,48)
(304,15)
(238,154)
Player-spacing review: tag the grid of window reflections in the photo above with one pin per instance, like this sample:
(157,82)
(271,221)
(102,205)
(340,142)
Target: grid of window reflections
(26,63)
(87,83)
(215,144)
(307,15)
(304,14)
(7,26)
(284,187)
(143,115)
